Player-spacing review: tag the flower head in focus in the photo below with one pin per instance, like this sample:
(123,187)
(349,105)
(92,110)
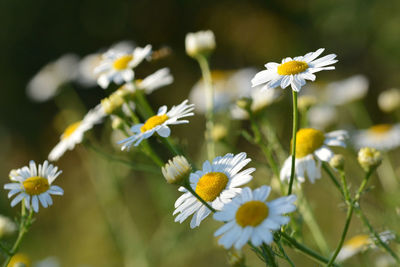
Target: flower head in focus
(381,136)
(176,170)
(311,149)
(217,183)
(117,66)
(33,184)
(46,83)
(294,71)
(369,158)
(158,123)
(249,217)
(74,133)
(200,43)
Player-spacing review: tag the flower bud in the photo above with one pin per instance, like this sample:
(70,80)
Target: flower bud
(117,123)
(305,102)
(176,170)
(389,100)
(236,258)
(244,103)
(369,158)
(219,132)
(337,162)
(7,226)
(200,43)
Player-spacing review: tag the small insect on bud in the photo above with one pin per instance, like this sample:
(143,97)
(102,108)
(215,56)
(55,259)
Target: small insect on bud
(337,162)
(369,158)
(200,43)
(176,170)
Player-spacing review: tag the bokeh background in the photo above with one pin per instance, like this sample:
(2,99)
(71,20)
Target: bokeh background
(365,34)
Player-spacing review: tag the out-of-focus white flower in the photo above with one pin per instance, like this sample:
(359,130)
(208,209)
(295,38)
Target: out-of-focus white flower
(312,147)
(48,262)
(200,43)
(322,116)
(7,226)
(156,80)
(389,100)
(347,90)
(294,72)
(117,66)
(249,217)
(33,184)
(45,84)
(158,123)
(360,243)
(380,136)
(74,133)
(217,183)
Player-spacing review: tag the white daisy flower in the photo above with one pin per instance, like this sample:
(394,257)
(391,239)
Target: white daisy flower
(294,72)
(158,123)
(348,90)
(33,184)
(311,149)
(45,84)
(249,217)
(118,66)
(156,80)
(217,183)
(381,136)
(360,243)
(199,43)
(74,133)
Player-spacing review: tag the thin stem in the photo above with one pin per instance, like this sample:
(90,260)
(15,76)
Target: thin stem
(328,170)
(348,219)
(275,142)
(267,251)
(305,250)
(23,229)
(144,104)
(190,189)
(284,253)
(205,71)
(294,133)
(151,154)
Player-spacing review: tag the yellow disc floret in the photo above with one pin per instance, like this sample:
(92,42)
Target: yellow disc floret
(71,129)
(19,259)
(36,185)
(210,185)
(358,241)
(307,141)
(122,62)
(380,128)
(153,122)
(252,213)
(292,67)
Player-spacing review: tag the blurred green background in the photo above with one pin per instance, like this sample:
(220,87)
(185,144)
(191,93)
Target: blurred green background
(365,34)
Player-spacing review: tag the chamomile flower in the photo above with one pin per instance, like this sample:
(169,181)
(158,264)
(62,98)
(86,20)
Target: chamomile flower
(217,183)
(360,243)
(200,43)
(74,133)
(33,185)
(311,149)
(380,136)
(117,66)
(47,82)
(158,123)
(249,217)
(154,81)
(294,72)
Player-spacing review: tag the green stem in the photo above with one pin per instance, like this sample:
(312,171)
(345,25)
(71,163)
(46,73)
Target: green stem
(144,104)
(275,142)
(284,253)
(148,150)
(190,189)
(360,114)
(328,170)
(348,219)
(294,133)
(312,224)
(305,250)
(267,251)
(23,229)
(205,70)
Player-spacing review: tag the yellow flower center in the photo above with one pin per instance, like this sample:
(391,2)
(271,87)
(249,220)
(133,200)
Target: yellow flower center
(36,185)
(252,213)
(19,259)
(380,128)
(122,62)
(292,67)
(71,129)
(211,185)
(358,241)
(307,141)
(153,122)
